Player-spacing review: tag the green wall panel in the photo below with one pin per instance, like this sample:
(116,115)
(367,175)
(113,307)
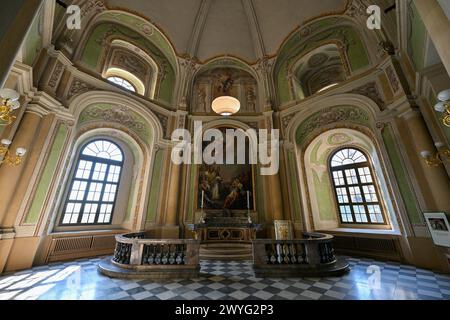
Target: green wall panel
(322,188)
(47,176)
(417,39)
(191,201)
(408,196)
(33,40)
(155,187)
(293,177)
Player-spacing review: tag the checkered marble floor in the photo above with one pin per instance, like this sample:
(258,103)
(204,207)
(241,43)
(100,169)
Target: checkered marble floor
(79,280)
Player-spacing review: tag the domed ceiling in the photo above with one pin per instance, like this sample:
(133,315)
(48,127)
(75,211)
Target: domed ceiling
(247,29)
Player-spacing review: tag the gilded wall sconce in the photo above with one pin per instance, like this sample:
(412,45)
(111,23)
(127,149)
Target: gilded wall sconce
(437,158)
(443,106)
(7,158)
(9,101)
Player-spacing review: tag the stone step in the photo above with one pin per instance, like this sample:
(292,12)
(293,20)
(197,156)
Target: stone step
(226,251)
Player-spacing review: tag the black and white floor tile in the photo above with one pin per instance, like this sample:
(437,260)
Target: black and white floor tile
(79,280)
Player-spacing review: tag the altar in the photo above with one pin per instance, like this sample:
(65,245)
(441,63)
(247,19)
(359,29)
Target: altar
(215,227)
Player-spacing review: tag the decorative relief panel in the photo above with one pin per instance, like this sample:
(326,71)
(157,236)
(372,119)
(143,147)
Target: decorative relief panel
(330,116)
(127,61)
(240,85)
(56,75)
(393,79)
(117,114)
(164,120)
(93,7)
(371,91)
(78,87)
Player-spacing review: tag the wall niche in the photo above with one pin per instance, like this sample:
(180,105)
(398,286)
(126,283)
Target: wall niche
(209,85)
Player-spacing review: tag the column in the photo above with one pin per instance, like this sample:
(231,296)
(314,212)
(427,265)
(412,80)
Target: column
(436,178)
(10,176)
(276,197)
(173,195)
(16,20)
(28,168)
(438,26)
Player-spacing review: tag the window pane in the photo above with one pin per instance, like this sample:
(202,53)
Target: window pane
(110,193)
(351,176)
(370,193)
(114,174)
(347,156)
(355,194)
(338,177)
(364,175)
(78,190)
(99,171)
(103,149)
(84,170)
(90,209)
(122,82)
(94,192)
(342,195)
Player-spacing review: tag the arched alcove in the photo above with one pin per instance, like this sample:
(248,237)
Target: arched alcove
(340,31)
(317,179)
(111,39)
(136,130)
(209,79)
(319,70)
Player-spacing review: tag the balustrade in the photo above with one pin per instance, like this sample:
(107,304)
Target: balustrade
(312,255)
(137,256)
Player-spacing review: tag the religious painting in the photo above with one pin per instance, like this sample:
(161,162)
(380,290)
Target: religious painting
(226,186)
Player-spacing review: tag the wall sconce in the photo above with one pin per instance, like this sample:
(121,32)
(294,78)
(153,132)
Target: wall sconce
(444,106)
(438,158)
(9,101)
(7,158)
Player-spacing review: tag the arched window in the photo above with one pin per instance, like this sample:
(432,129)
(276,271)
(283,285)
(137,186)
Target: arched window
(93,190)
(355,189)
(123,83)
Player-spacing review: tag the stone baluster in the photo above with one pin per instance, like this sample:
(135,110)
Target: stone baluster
(136,252)
(312,253)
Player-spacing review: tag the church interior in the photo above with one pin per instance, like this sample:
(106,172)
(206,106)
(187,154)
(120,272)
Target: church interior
(99,97)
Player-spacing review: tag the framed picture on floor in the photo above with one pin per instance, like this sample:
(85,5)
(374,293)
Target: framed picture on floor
(439,227)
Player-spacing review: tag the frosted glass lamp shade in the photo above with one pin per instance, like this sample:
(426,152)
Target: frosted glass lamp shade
(6,142)
(425,154)
(444,95)
(440,107)
(14,105)
(9,94)
(226,105)
(439,145)
(20,152)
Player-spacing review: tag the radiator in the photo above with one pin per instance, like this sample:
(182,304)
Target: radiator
(65,248)
(370,247)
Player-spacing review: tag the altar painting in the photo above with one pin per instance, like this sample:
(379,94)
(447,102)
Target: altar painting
(225,186)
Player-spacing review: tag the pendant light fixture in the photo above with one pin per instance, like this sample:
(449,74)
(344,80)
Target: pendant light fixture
(225,104)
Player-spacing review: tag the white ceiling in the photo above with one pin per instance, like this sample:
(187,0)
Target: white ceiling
(247,29)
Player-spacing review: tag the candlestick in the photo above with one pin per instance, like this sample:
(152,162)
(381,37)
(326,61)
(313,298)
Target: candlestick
(203,196)
(248,200)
